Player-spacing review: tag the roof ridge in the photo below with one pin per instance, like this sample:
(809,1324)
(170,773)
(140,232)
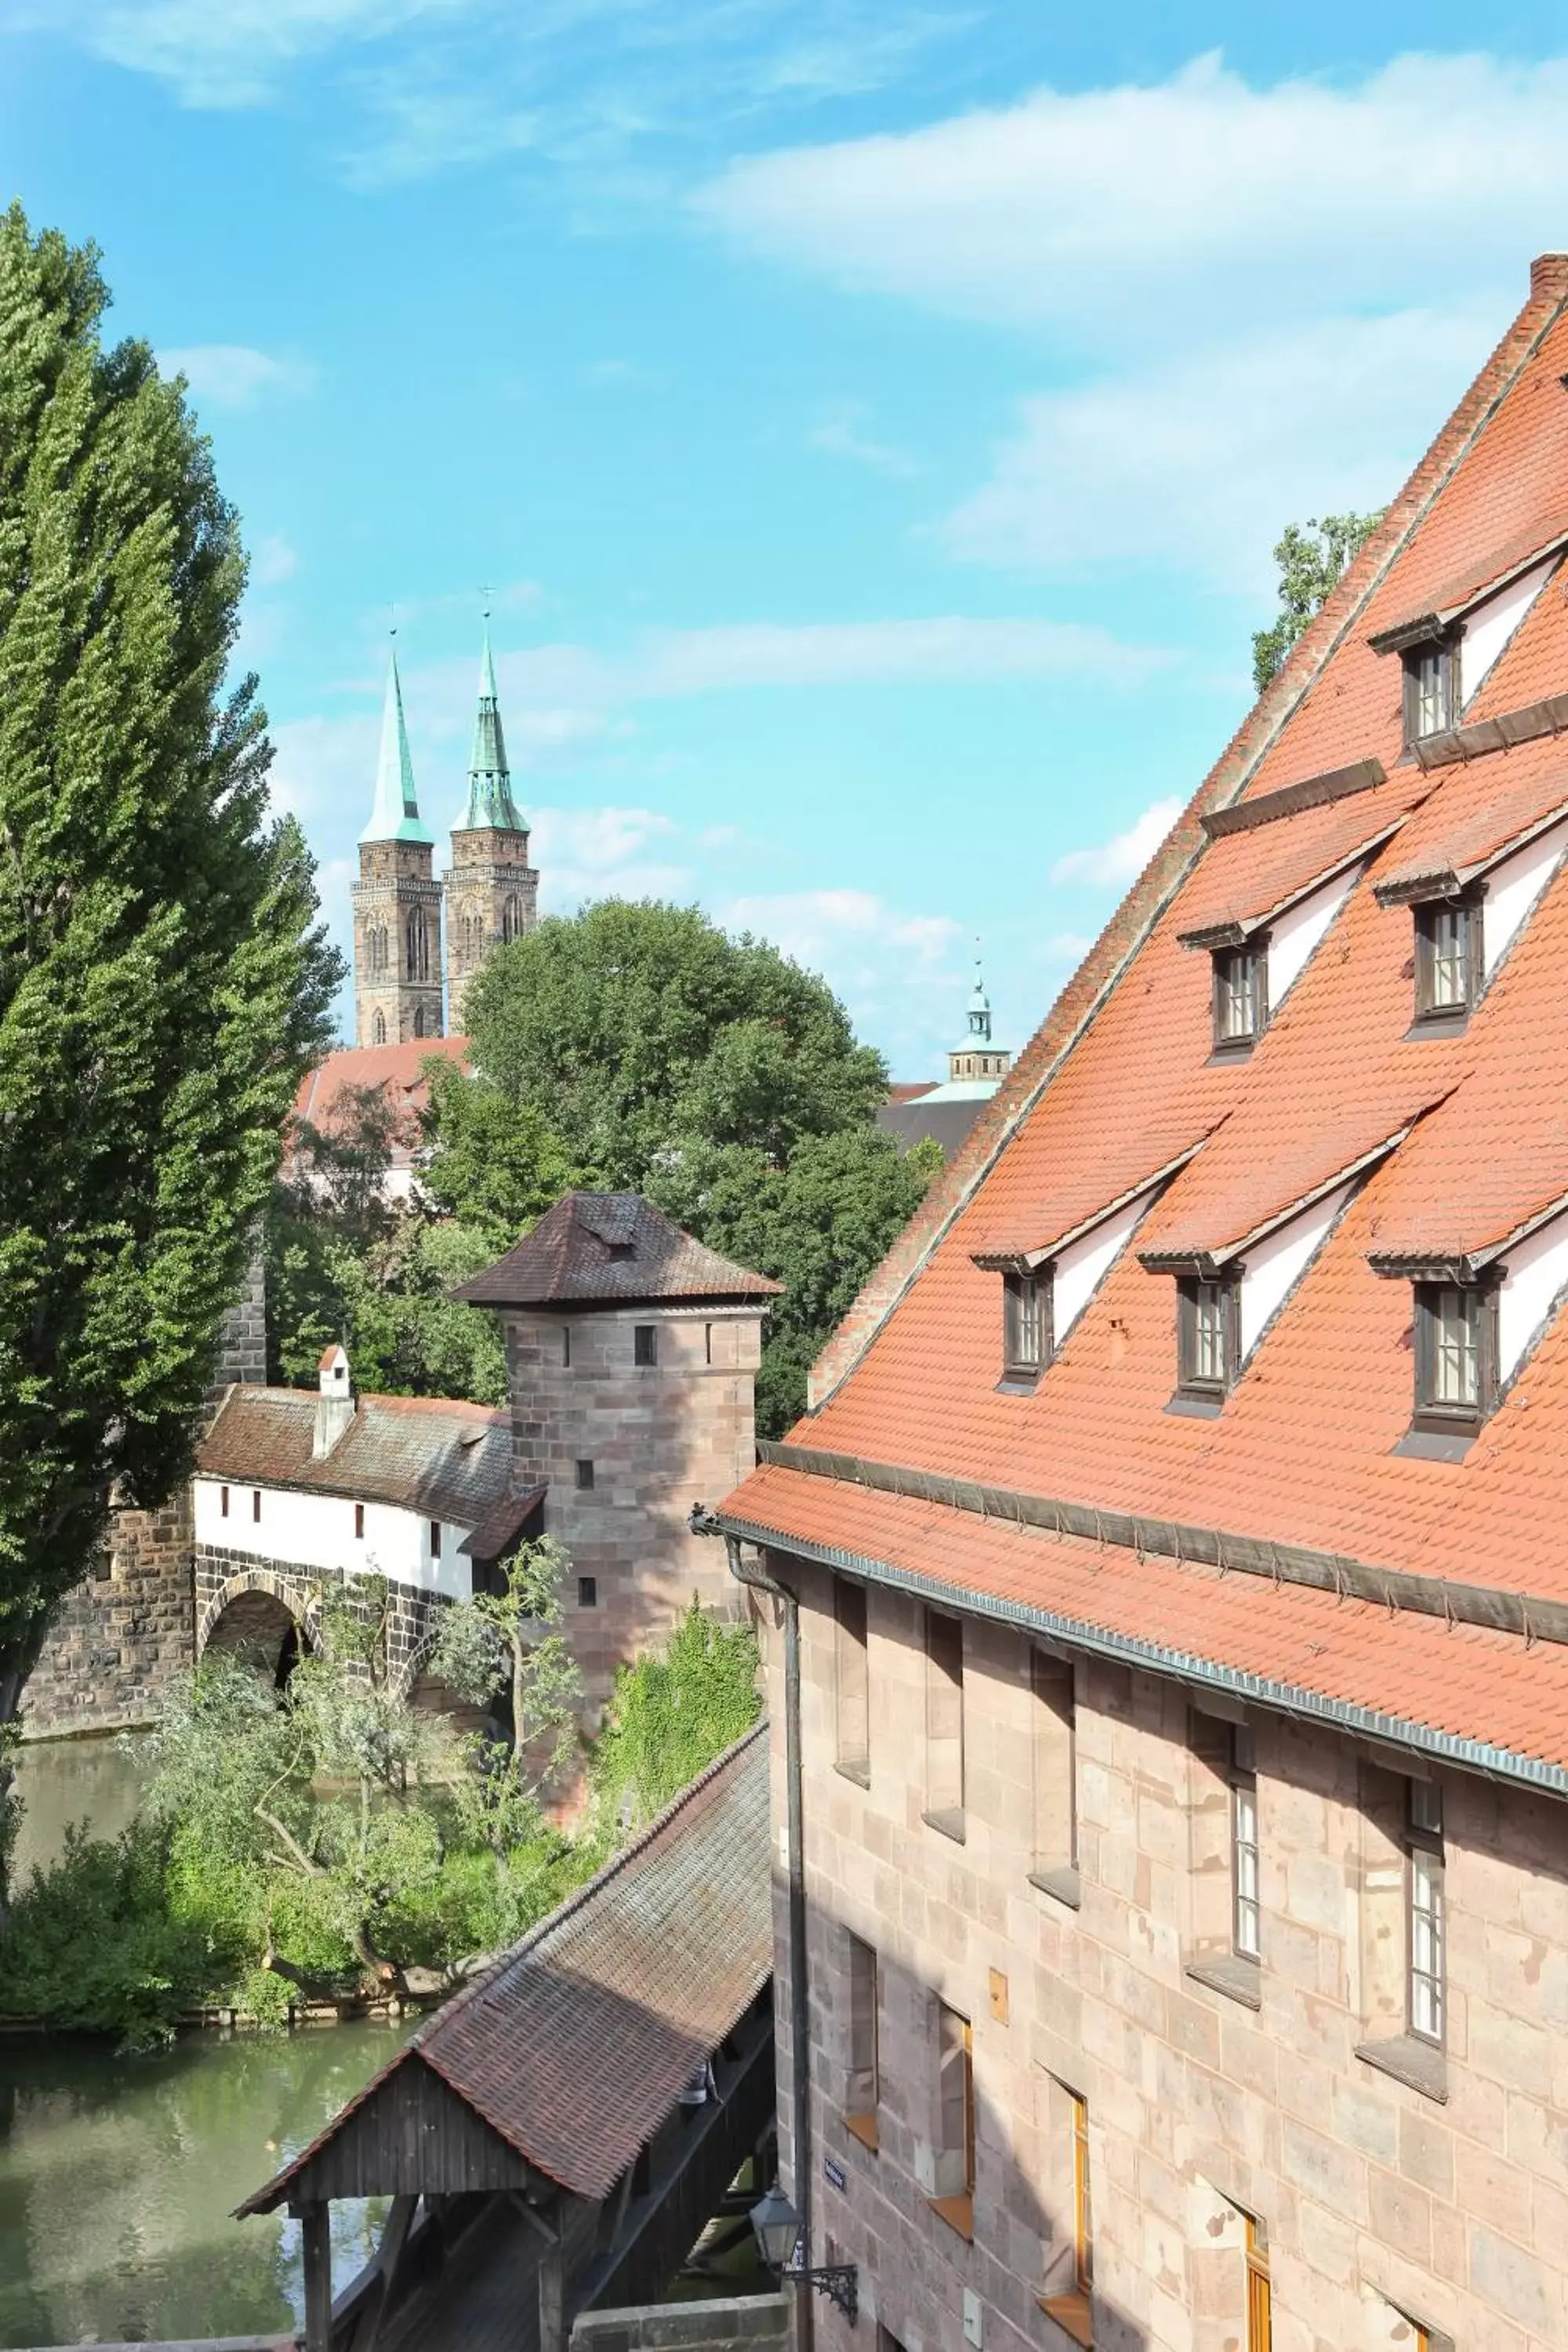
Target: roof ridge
(1075,1009)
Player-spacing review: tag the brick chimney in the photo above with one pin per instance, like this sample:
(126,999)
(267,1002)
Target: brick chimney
(334,1405)
(1548,278)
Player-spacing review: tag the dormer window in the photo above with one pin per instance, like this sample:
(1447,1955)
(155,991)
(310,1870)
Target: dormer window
(1026,1326)
(1455,1355)
(1208,1336)
(1240,996)
(1431,688)
(1448,958)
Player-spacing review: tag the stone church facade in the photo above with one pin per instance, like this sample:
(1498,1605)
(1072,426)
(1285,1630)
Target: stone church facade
(404,986)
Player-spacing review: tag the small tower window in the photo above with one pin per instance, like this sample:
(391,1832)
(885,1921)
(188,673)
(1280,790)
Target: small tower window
(584,1477)
(1431,688)
(511,918)
(1448,958)
(378,1029)
(419,1021)
(567,1346)
(645,1343)
(1240,997)
(587,1592)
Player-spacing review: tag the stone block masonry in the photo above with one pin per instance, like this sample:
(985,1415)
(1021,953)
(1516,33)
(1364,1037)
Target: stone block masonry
(230,1584)
(718,2324)
(122,1634)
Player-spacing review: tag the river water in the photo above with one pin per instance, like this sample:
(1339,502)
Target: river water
(119,2174)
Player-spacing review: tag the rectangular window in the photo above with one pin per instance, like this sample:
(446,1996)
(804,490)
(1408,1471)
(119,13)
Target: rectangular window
(223,1501)
(645,1343)
(1207,1321)
(1054,1765)
(1246,1940)
(1431,689)
(863,2093)
(1068,2289)
(1026,1325)
(1447,959)
(435,1538)
(585,1476)
(567,1346)
(1455,1354)
(587,1592)
(945,1723)
(954,2199)
(852,1680)
(1260,2290)
(707,1343)
(1425,1932)
(359,1521)
(1240,996)
(255,1503)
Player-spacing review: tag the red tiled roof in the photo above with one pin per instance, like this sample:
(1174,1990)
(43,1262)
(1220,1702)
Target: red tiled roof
(601,1248)
(433,1454)
(399,1069)
(1304,1451)
(1247,878)
(573,2047)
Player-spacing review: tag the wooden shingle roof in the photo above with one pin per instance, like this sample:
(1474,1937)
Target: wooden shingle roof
(610,1248)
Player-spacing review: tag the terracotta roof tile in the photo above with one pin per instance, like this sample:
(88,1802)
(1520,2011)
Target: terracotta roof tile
(397,1069)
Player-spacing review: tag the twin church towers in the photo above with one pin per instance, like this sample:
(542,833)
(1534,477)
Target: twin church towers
(489,892)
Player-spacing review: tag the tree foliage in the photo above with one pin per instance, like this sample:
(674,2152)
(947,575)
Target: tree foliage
(162,979)
(1309,567)
(504,1645)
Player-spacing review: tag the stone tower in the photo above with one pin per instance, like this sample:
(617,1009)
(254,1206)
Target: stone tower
(492,891)
(396,901)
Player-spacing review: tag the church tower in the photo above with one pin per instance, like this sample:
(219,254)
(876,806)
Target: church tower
(396,901)
(492,891)
(978,1056)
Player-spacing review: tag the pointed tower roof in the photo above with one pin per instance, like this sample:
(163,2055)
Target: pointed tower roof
(489,802)
(979,1007)
(396,815)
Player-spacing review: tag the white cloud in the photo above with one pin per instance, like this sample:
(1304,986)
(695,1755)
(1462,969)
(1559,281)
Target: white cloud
(220,53)
(272,562)
(951,649)
(323,768)
(1121,859)
(901,975)
(233,375)
(1125,214)
(1196,462)
(841,435)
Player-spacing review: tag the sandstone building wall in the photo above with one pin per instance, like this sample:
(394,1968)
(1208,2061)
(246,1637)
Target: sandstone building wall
(660,1437)
(1382,2203)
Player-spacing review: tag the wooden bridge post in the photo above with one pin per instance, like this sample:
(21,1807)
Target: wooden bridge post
(316,2224)
(552,2329)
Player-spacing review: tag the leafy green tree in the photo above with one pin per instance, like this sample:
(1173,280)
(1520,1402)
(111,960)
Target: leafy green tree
(670,1717)
(162,979)
(629,1024)
(1309,567)
(497,1163)
(818,1224)
(503,1644)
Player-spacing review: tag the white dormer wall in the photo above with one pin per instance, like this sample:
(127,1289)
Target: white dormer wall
(1488,628)
(315,1533)
(1537,1271)
(1083,1264)
(1295,934)
(1513,888)
(1273,1265)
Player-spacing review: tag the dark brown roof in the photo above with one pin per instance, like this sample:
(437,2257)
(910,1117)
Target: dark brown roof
(493,1536)
(605,1248)
(432,1454)
(571,2049)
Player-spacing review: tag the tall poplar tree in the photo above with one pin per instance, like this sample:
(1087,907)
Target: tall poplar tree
(162,978)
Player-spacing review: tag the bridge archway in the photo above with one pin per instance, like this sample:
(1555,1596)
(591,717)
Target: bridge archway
(265,1619)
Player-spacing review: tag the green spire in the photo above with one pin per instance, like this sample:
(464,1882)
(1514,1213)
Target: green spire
(979,1007)
(490,802)
(396,815)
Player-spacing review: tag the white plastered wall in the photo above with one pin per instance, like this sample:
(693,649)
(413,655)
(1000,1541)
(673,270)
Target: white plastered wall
(316,1532)
(1537,1271)
(1083,1264)
(1490,625)
(1294,935)
(1280,1260)
(1513,888)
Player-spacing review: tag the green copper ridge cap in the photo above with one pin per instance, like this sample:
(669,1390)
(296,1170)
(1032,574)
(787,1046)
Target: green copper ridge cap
(396,813)
(491,804)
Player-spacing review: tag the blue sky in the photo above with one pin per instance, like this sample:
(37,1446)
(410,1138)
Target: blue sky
(873,421)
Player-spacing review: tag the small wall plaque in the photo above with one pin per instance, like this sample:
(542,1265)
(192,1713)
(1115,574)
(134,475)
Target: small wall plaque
(836,2174)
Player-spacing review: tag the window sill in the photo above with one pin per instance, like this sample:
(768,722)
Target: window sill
(1062,1883)
(1435,1444)
(859,1773)
(1073,2313)
(958,2213)
(1235,1049)
(949,1825)
(1197,1408)
(864,2129)
(1238,1979)
(1018,1384)
(1420,2065)
(1433,1025)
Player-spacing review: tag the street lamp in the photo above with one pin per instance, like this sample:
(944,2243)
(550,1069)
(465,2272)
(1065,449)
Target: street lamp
(776,2227)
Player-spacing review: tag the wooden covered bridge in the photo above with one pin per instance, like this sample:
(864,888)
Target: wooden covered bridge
(558,2134)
